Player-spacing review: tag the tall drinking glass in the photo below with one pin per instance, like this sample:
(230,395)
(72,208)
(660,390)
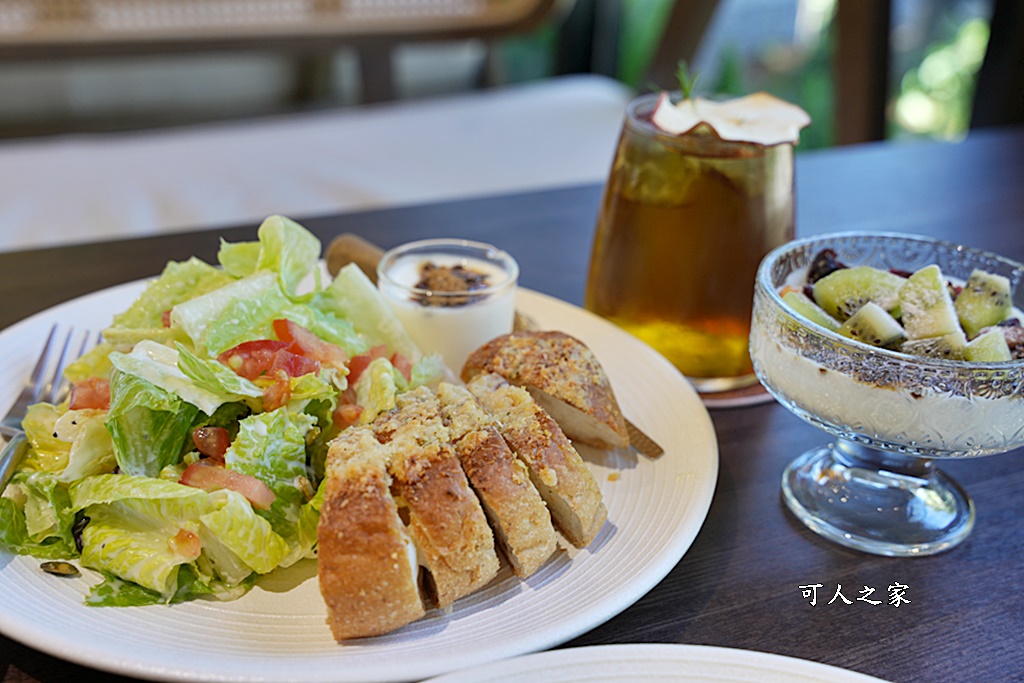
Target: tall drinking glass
(684,222)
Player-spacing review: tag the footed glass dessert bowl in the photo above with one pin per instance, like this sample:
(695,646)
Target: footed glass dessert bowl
(876,487)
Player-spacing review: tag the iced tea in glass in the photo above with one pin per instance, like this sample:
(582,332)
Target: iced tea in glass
(683,225)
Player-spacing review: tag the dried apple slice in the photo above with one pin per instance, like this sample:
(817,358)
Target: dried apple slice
(759,118)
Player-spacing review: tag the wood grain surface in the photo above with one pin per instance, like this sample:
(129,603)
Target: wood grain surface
(738,585)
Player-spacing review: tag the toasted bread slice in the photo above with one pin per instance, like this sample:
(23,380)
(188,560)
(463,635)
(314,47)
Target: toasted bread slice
(556,469)
(369,576)
(518,516)
(563,376)
(445,519)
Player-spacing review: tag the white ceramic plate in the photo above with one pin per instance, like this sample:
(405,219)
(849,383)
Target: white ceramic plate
(277,632)
(653,663)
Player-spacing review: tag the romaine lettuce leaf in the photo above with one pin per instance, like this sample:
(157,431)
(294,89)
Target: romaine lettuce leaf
(428,370)
(179,282)
(239,259)
(234,523)
(132,521)
(36,517)
(48,453)
(103,489)
(376,389)
(148,425)
(158,365)
(115,592)
(93,363)
(215,377)
(309,518)
(288,249)
(328,327)
(272,447)
(92,450)
(351,296)
(238,308)
(311,387)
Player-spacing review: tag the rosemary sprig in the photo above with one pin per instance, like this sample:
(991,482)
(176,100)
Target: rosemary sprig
(687,83)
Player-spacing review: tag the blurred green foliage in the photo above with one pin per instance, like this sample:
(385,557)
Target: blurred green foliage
(933,79)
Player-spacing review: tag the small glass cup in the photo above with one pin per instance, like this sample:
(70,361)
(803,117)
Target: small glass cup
(684,222)
(450,323)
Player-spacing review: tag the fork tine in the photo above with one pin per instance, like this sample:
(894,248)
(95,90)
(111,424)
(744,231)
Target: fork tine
(57,382)
(37,379)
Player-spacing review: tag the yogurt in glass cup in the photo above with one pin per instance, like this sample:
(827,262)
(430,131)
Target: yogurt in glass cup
(450,323)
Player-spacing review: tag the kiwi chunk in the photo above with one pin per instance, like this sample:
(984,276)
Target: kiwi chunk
(872,325)
(950,346)
(841,293)
(926,305)
(802,304)
(985,300)
(988,347)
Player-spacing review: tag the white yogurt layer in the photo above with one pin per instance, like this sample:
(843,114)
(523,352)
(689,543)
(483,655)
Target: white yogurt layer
(452,331)
(923,419)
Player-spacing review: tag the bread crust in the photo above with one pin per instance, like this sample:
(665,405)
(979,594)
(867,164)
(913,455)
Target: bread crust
(564,376)
(366,563)
(518,515)
(446,520)
(556,469)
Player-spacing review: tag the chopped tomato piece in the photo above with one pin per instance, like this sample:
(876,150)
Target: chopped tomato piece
(203,475)
(252,358)
(306,343)
(278,393)
(92,393)
(185,544)
(212,442)
(346,415)
(293,364)
(165,318)
(359,363)
(403,365)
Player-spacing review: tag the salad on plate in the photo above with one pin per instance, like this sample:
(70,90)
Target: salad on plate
(187,459)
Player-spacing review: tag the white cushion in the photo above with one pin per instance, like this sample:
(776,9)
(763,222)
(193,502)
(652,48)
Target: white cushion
(551,133)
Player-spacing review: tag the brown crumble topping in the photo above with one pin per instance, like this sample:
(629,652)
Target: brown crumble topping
(448,279)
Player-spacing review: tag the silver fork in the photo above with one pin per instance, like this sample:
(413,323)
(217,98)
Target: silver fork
(43,384)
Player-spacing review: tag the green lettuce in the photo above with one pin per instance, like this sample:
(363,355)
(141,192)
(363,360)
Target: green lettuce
(272,447)
(36,517)
(92,449)
(48,452)
(132,522)
(216,378)
(234,524)
(178,283)
(235,311)
(159,365)
(93,363)
(149,425)
(284,247)
(351,296)
(288,249)
(376,389)
(239,259)
(327,326)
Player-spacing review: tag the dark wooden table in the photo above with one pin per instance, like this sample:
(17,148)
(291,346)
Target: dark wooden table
(738,585)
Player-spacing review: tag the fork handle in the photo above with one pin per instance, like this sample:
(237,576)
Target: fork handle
(10,458)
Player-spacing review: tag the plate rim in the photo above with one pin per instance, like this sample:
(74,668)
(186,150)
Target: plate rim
(681,653)
(75,651)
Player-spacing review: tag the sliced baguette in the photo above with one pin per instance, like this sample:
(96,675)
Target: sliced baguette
(563,376)
(556,469)
(518,516)
(369,576)
(445,519)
